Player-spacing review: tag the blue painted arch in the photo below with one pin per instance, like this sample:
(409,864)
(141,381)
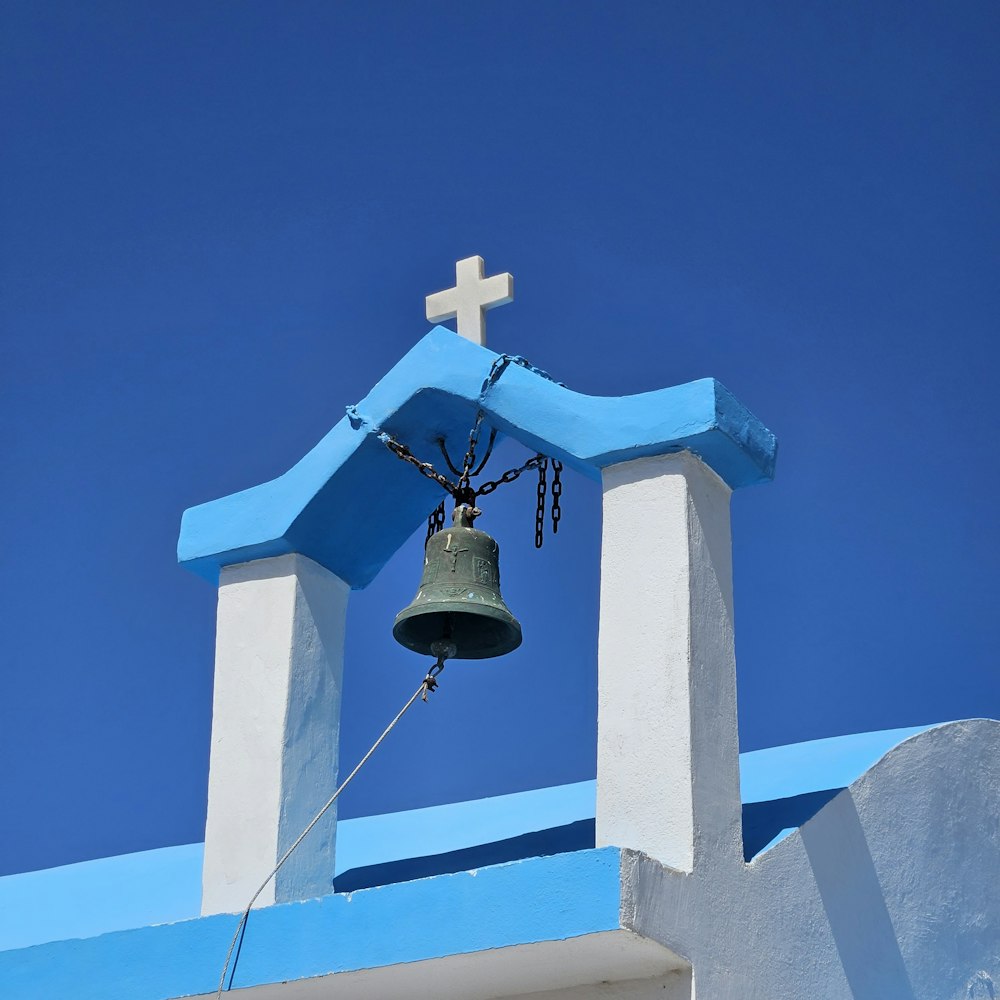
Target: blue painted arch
(434,393)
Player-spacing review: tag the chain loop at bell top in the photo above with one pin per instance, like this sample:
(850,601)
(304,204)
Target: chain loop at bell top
(463,491)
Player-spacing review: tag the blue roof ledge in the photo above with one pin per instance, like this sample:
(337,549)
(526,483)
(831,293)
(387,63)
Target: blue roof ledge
(559,921)
(434,392)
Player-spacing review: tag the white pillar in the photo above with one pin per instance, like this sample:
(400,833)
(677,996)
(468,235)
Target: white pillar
(275,731)
(667,743)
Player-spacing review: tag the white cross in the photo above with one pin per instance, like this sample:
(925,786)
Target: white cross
(470,298)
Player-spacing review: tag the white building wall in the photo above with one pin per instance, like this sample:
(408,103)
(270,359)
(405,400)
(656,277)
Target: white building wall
(888,893)
(275,731)
(667,750)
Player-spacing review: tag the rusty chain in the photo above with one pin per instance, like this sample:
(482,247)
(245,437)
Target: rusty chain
(484,489)
(557,467)
(435,522)
(463,491)
(482,464)
(424,468)
(497,369)
(540,509)
(447,457)
(470,454)
(469,494)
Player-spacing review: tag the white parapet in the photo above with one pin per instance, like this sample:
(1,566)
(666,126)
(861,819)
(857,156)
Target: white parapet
(275,731)
(667,744)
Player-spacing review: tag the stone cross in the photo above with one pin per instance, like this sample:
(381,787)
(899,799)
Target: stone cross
(470,298)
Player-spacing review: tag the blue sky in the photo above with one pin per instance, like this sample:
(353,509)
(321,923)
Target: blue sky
(220,222)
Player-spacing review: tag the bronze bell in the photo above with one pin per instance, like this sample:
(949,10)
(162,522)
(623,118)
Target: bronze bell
(458,602)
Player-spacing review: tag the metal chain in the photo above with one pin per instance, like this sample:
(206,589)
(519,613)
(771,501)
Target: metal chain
(435,522)
(540,509)
(447,457)
(470,454)
(463,491)
(462,494)
(497,369)
(424,468)
(557,489)
(489,451)
(509,476)
(482,464)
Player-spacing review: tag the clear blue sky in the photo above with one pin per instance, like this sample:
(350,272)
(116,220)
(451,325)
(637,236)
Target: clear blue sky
(219,224)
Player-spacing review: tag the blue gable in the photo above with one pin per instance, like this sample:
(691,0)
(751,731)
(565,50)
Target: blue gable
(433,393)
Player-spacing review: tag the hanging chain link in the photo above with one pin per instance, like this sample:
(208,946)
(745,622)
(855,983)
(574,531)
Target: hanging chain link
(435,522)
(557,488)
(489,451)
(424,468)
(470,455)
(482,464)
(447,457)
(463,491)
(540,509)
(483,489)
(497,369)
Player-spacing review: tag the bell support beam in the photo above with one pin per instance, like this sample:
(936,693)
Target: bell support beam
(285,557)
(275,731)
(433,392)
(668,780)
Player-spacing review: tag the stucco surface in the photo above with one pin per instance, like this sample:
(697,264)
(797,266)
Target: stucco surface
(667,757)
(164,885)
(527,902)
(275,730)
(888,893)
(611,965)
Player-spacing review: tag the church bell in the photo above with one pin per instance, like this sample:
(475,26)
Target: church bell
(458,601)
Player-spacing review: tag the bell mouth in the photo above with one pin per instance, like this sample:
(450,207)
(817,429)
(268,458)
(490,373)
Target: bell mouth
(477,635)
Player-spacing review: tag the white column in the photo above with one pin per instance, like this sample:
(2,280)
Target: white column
(275,731)
(667,744)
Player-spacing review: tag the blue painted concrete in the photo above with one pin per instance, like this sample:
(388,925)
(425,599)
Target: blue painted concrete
(94,897)
(578,836)
(780,772)
(434,392)
(160,886)
(372,840)
(540,899)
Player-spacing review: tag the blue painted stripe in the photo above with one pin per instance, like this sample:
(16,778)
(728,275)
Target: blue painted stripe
(541,899)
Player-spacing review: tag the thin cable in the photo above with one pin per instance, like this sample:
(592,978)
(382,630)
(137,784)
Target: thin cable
(429,683)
